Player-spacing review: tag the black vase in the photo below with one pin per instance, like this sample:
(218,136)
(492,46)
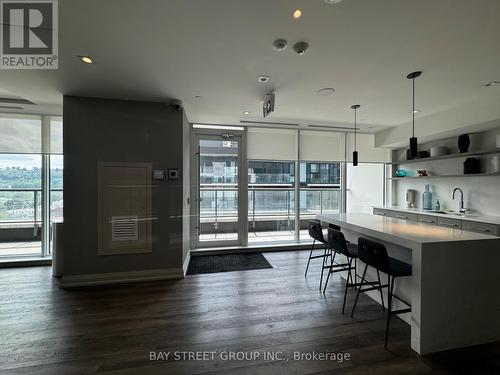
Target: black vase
(472,166)
(463,143)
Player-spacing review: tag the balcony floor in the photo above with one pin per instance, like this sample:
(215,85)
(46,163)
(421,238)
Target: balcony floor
(20,249)
(257,237)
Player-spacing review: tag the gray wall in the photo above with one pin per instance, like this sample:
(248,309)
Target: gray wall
(103,130)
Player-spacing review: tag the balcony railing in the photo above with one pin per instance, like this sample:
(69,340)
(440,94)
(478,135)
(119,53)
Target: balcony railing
(271,203)
(24,205)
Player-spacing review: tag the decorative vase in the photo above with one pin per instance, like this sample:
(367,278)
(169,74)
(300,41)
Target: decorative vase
(427,198)
(463,143)
(472,166)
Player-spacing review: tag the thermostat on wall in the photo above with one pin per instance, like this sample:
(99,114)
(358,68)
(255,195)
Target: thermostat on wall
(158,174)
(173,174)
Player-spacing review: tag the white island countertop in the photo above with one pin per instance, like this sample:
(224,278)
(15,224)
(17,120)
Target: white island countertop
(400,231)
(454,285)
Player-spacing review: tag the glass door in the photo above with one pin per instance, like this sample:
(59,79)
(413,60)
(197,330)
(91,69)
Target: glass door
(218,196)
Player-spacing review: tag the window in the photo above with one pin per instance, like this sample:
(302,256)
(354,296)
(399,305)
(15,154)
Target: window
(271,201)
(24,231)
(319,191)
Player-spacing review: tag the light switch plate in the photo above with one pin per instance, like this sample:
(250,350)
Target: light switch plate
(158,174)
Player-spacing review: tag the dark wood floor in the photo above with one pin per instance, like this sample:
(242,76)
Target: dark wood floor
(112,330)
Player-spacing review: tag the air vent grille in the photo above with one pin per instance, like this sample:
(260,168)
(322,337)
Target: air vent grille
(124,228)
(15,101)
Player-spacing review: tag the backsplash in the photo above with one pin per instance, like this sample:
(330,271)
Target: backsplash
(481,194)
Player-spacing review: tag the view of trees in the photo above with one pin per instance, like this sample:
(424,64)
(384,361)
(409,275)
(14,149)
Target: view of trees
(19,205)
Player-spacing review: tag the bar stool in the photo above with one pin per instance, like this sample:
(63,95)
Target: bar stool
(374,254)
(338,244)
(316,232)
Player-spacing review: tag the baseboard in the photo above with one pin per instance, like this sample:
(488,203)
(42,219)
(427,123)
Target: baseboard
(262,248)
(186,263)
(74,281)
(25,262)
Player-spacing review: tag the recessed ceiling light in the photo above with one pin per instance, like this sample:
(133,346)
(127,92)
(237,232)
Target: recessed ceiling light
(263,79)
(326,91)
(332,1)
(416,111)
(246,113)
(86,59)
(297,14)
(492,83)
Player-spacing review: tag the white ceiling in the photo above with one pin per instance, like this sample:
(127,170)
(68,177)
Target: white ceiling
(161,49)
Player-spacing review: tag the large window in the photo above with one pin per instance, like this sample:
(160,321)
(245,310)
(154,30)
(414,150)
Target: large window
(319,191)
(23,161)
(292,176)
(271,201)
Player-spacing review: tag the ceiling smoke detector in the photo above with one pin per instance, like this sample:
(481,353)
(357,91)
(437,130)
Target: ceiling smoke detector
(280,45)
(300,48)
(263,79)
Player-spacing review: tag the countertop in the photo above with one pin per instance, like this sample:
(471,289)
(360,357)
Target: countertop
(473,216)
(401,231)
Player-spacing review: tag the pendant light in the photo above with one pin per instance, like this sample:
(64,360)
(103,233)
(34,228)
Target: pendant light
(355,152)
(413,139)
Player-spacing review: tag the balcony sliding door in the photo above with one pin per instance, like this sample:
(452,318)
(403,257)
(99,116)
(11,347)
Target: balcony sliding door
(218,191)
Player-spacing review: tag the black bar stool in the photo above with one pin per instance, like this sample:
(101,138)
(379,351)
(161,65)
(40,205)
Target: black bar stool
(338,244)
(316,232)
(374,254)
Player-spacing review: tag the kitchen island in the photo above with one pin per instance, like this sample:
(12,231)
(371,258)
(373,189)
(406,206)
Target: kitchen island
(455,286)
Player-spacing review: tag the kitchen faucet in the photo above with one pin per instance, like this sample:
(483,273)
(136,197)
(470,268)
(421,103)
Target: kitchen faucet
(461,208)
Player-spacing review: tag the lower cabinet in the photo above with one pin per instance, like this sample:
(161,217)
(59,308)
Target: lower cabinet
(427,219)
(449,223)
(485,228)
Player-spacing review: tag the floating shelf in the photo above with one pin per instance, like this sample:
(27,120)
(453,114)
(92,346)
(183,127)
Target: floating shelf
(448,156)
(446,176)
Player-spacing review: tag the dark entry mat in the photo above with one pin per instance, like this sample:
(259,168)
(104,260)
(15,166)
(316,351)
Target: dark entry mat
(227,263)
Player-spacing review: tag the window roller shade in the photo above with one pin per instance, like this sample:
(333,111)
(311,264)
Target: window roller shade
(321,146)
(271,144)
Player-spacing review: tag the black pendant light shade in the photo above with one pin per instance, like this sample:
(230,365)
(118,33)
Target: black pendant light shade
(355,152)
(413,139)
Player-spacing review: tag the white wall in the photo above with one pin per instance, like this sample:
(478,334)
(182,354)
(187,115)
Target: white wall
(365,187)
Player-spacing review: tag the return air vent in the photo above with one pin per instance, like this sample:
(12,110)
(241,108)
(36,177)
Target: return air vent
(124,228)
(268,123)
(15,101)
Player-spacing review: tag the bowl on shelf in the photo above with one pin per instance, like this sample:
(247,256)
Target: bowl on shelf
(438,151)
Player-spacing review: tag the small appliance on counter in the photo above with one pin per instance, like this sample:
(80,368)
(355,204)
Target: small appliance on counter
(427,198)
(472,166)
(411,198)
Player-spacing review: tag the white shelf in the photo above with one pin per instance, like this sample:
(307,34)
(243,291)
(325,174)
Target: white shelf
(445,176)
(448,156)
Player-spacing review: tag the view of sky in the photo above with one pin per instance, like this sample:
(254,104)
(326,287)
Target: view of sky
(28,161)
